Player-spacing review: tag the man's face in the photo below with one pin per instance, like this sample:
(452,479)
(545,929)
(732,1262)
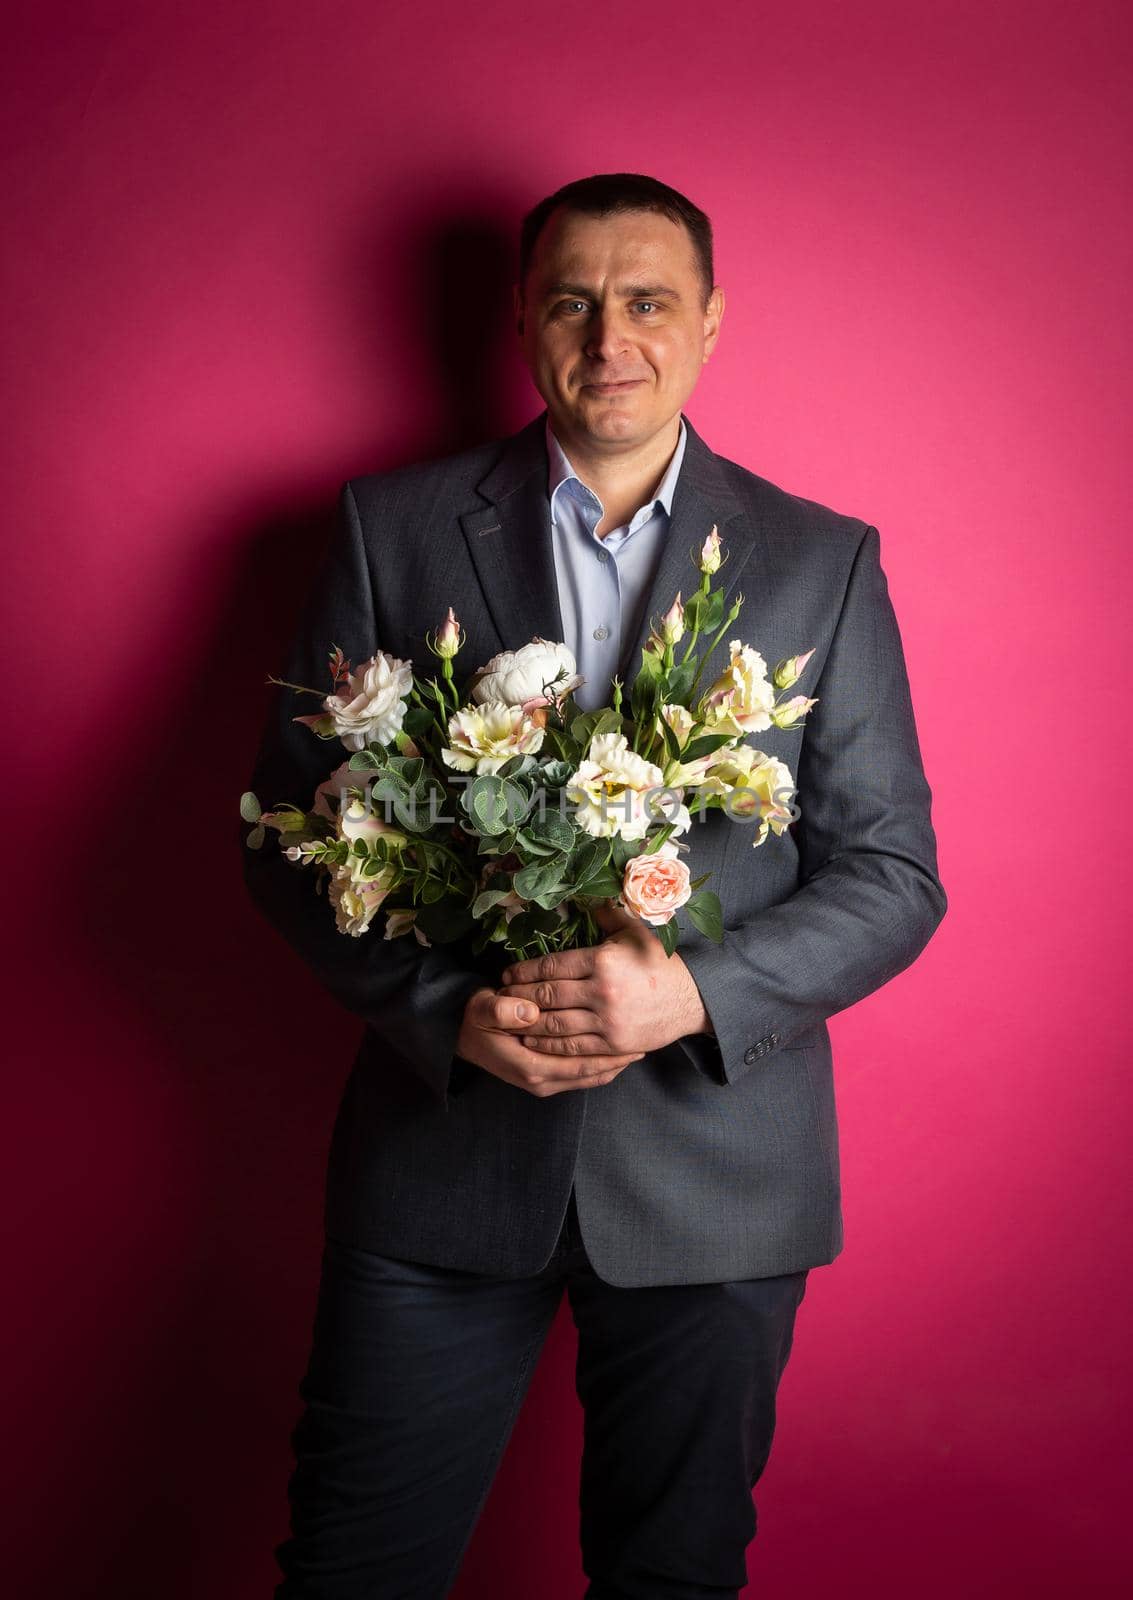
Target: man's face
(613,325)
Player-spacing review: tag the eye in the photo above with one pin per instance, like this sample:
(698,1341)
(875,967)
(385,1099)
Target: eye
(564,305)
(647,303)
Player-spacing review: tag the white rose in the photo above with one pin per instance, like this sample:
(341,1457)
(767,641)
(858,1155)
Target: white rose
(522,677)
(370,708)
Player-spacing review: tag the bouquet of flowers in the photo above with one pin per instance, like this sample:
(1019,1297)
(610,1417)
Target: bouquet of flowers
(505,813)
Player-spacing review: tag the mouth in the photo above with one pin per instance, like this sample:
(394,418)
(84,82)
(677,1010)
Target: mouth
(613,388)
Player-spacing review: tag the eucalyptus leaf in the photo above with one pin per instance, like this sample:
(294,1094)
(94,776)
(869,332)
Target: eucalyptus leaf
(484,802)
(250,807)
(486,899)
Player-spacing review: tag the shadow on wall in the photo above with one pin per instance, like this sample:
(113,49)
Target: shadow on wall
(190,1402)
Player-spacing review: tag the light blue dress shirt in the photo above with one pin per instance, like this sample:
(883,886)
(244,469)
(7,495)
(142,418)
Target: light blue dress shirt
(603,582)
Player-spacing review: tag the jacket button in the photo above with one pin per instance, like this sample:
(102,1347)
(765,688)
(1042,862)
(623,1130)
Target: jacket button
(749,1054)
(774,1037)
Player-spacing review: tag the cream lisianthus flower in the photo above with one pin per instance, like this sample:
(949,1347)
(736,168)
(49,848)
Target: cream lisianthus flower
(612,788)
(655,886)
(356,900)
(370,707)
(742,698)
(484,737)
(749,780)
(360,821)
(355,895)
(522,677)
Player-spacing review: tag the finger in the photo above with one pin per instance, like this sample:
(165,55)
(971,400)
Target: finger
(562,964)
(574,1044)
(553,995)
(577,1021)
(544,1075)
(512,1012)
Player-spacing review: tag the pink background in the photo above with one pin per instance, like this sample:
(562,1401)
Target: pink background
(253,249)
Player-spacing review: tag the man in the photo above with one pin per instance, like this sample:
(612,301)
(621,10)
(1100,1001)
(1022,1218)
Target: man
(654,1135)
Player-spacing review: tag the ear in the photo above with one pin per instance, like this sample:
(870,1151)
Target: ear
(713,316)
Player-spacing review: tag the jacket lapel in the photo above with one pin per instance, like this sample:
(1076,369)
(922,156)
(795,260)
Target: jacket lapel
(509,541)
(703,498)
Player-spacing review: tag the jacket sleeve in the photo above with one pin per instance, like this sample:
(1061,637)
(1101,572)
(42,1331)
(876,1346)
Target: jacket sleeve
(414,996)
(869,897)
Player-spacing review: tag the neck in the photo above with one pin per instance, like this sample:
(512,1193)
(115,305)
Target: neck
(622,480)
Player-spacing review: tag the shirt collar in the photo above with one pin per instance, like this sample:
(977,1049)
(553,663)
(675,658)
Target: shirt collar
(560,472)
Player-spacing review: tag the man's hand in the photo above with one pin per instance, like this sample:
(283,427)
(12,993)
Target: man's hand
(623,995)
(489,1037)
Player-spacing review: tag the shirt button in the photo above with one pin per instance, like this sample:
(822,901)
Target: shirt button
(601,633)
(603,555)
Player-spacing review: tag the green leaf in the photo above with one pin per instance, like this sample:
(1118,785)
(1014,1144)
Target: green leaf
(706,744)
(255,839)
(486,899)
(669,935)
(368,761)
(409,768)
(601,886)
(538,876)
(516,766)
(672,743)
(694,609)
(678,682)
(485,803)
(552,828)
(418,719)
(609,721)
(707,914)
(250,808)
(713,613)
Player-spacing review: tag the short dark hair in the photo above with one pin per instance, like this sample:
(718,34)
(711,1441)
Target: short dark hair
(607,193)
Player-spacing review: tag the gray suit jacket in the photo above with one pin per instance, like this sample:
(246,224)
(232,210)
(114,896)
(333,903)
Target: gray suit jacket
(708,1160)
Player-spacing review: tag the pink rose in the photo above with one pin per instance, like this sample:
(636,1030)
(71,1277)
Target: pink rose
(655,886)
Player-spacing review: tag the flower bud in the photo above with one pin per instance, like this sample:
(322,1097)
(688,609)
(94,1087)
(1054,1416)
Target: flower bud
(791,711)
(448,639)
(710,552)
(673,622)
(788,672)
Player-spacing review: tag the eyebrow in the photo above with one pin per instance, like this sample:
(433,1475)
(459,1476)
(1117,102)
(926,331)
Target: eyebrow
(630,291)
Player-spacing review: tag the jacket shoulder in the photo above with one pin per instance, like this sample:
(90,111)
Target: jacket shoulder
(424,482)
(791,513)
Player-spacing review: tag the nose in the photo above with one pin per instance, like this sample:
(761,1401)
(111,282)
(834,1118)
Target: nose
(606,337)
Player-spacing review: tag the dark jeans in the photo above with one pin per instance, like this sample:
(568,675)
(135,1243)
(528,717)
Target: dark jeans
(417,1374)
